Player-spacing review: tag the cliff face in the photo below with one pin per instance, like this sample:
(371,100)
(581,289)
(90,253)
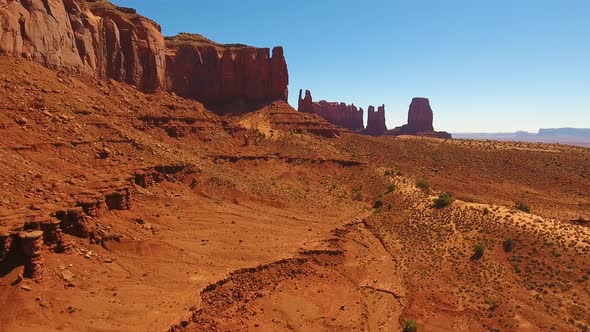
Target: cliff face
(420,121)
(376,121)
(226,78)
(95,38)
(340,114)
(105,41)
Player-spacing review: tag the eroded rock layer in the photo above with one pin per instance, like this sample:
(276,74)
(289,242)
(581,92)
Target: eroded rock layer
(105,41)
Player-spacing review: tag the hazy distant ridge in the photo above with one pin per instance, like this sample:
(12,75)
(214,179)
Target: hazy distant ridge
(571,136)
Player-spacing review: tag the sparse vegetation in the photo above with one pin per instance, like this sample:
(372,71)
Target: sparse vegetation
(508,244)
(357,194)
(443,201)
(391,188)
(423,185)
(388,172)
(411,326)
(523,207)
(478,251)
(378,202)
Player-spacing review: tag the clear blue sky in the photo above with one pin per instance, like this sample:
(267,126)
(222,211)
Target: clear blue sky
(486,65)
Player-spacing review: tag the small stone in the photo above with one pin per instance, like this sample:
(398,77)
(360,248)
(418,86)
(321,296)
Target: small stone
(108,260)
(68,275)
(26,287)
(21,121)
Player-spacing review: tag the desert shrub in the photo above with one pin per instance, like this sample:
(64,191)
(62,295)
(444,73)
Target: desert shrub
(399,173)
(443,200)
(411,326)
(508,244)
(423,184)
(378,203)
(357,193)
(523,207)
(358,196)
(391,188)
(486,211)
(388,172)
(478,251)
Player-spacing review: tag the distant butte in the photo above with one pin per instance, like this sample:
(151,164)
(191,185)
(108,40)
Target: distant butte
(420,121)
(376,121)
(340,114)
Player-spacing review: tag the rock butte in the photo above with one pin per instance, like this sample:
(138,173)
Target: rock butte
(340,114)
(376,121)
(420,121)
(110,42)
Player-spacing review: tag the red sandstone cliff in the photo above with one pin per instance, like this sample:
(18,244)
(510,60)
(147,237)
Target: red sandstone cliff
(376,121)
(420,121)
(105,41)
(340,114)
(94,38)
(225,77)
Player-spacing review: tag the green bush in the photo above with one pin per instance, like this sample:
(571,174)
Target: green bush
(478,251)
(423,184)
(508,244)
(358,196)
(378,203)
(411,326)
(391,188)
(523,207)
(443,200)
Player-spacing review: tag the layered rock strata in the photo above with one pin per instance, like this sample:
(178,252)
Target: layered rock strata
(109,42)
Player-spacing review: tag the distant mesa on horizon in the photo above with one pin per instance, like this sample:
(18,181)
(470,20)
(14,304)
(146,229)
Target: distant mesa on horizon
(567,135)
(420,117)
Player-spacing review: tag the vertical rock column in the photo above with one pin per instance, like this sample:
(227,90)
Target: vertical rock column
(53,236)
(32,244)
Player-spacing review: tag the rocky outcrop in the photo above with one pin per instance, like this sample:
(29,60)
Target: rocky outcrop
(420,121)
(340,114)
(226,78)
(376,121)
(32,245)
(305,105)
(105,41)
(90,37)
